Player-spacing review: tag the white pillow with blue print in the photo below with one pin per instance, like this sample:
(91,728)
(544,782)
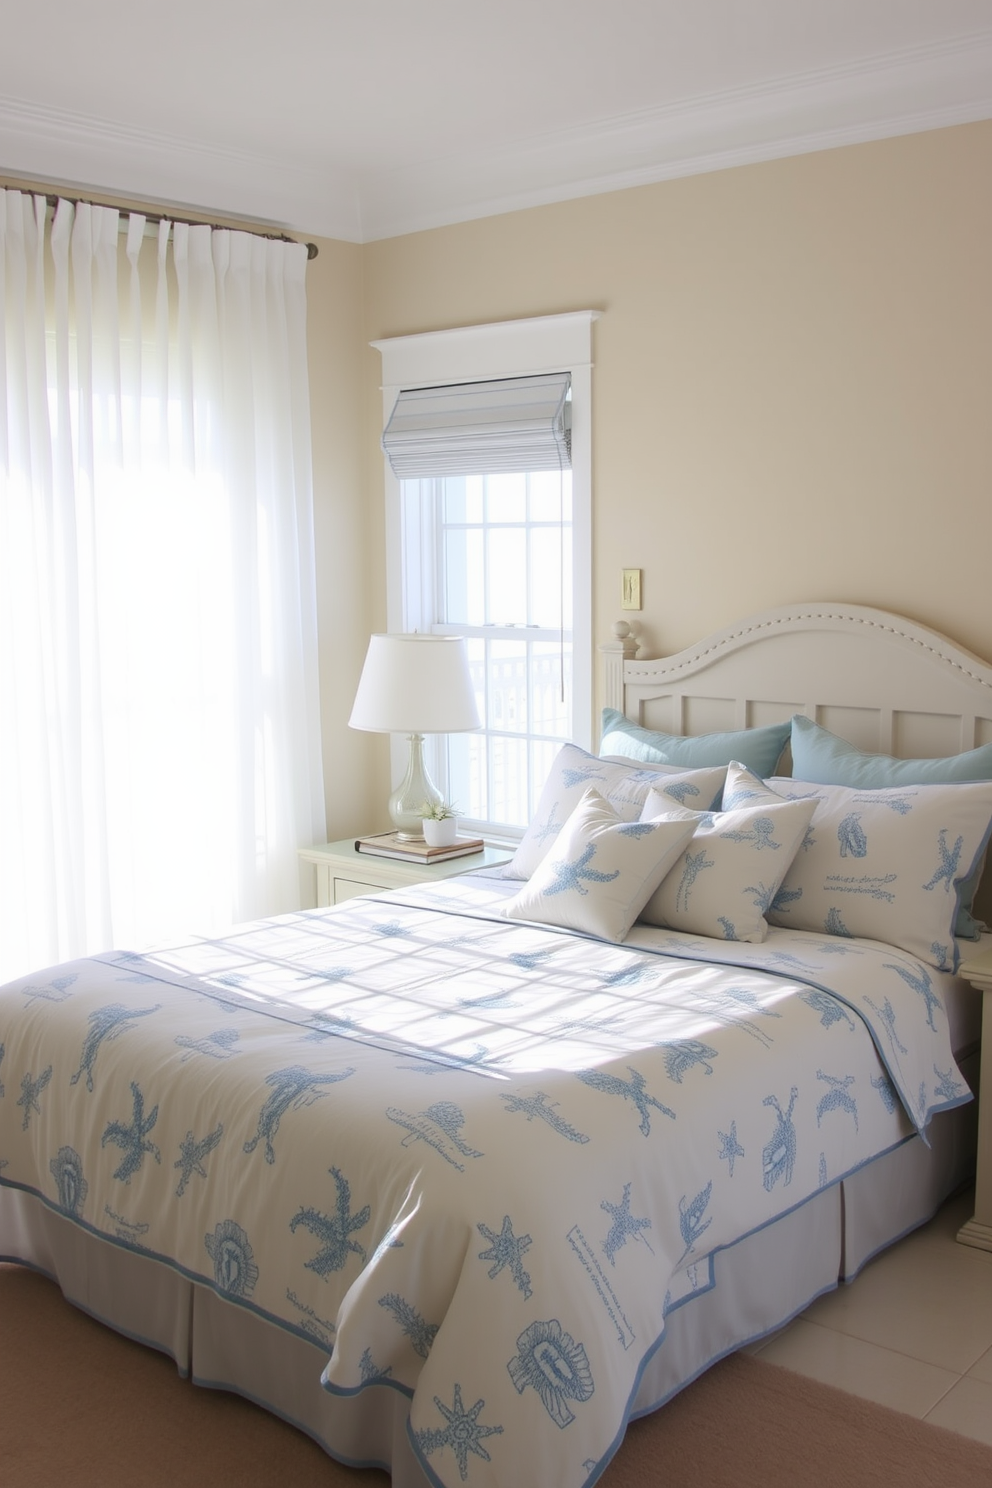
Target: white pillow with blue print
(886,864)
(727,877)
(625,786)
(601,869)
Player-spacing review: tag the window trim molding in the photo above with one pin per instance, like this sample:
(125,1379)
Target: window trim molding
(509,348)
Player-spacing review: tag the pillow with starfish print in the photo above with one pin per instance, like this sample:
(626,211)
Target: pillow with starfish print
(602,869)
(726,879)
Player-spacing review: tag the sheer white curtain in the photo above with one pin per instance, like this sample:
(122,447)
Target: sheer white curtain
(159,736)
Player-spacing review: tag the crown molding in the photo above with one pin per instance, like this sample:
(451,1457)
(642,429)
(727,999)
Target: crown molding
(903,92)
(42,144)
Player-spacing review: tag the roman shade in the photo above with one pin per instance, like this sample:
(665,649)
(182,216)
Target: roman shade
(481,428)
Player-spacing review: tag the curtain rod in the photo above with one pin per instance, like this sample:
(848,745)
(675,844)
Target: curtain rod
(157,217)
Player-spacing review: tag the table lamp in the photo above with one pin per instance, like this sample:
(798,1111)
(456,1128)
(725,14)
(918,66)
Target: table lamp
(415,685)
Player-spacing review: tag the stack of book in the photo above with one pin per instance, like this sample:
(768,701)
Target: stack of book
(392,845)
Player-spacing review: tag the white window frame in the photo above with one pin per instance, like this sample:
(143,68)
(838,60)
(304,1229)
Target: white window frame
(514,348)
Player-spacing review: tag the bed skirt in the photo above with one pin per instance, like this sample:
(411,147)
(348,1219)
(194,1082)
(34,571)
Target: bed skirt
(760,1283)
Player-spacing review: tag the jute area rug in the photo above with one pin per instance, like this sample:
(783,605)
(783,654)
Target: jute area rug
(81,1405)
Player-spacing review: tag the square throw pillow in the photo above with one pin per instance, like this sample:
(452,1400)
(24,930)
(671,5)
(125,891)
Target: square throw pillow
(601,869)
(886,864)
(820,756)
(625,786)
(728,875)
(758,748)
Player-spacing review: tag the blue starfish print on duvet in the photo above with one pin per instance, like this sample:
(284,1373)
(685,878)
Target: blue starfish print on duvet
(334,1231)
(131,1136)
(463,1432)
(505,1252)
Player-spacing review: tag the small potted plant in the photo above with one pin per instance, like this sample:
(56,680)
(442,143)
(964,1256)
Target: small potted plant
(440,823)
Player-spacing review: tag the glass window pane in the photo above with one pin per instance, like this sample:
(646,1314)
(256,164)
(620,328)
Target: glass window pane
(477,662)
(453,498)
(550,495)
(507,576)
(506,497)
(508,781)
(545,576)
(508,686)
(466,785)
(549,713)
(463,601)
(542,756)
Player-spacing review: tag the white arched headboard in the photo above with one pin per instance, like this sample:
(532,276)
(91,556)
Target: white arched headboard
(878,680)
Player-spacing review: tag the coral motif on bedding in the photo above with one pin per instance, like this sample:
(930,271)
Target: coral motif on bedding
(540,1197)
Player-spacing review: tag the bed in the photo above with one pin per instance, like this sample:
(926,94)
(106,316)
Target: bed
(458,1184)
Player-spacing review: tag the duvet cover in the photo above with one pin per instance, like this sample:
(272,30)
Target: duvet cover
(478,1161)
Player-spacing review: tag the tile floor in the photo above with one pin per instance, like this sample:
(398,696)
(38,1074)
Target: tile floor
(913,1331)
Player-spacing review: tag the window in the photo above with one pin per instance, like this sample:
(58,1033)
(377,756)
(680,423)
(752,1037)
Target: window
(500,556)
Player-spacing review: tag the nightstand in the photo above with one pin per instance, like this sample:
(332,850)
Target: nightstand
(334,871)
(978,1230)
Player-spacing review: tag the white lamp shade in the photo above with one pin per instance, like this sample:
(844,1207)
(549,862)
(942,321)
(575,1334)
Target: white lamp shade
(415,684)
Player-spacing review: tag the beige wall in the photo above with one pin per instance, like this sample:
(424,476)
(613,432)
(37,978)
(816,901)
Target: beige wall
(792,396)
(793,379)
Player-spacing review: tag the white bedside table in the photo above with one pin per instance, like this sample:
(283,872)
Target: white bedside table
(334,871)
(978,1230)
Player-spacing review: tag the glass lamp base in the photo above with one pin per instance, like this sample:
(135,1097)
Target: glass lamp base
(416,789)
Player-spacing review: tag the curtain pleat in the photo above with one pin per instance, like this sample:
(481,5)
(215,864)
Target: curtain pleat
(160,757)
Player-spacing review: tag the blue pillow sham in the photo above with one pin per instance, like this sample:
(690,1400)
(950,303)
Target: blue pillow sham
(757,748)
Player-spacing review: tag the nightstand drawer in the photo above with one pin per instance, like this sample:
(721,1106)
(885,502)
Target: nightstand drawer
(350,888)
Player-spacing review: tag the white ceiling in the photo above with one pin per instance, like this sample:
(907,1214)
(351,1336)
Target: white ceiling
(361,119)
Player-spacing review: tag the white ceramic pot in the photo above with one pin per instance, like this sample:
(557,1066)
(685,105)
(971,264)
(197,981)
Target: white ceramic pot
(440,833)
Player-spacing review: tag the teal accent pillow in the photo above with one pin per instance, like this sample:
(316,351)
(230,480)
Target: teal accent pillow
(823,759)
(757,748)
